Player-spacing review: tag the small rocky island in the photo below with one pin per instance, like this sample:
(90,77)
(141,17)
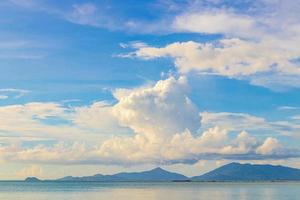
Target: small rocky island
(32,179)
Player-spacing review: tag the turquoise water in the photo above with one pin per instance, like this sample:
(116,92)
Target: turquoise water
(148,191)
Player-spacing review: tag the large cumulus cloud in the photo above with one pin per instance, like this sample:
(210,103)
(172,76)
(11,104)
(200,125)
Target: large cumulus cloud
(166,130)
(161,123)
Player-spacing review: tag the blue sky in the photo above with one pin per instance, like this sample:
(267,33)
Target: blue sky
(95,77)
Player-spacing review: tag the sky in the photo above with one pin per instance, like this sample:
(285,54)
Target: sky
(103,86)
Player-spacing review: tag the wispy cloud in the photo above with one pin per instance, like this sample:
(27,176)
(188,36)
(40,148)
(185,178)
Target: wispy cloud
(3,97)
(15,44)
(14,48)
(85,14)
(25,3)
(89,14)
(99,15)
(13,92)
(288,108)
(215,22)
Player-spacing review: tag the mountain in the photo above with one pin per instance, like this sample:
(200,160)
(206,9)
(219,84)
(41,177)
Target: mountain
(157,174)
(229,172)
(95,178)
(249,172)
(32,179)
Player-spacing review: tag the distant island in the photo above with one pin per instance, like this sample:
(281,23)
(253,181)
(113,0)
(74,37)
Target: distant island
(32,179)
(250,172)
(157,174)
(229,172)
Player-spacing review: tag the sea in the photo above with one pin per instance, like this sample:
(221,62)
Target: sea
(18,190)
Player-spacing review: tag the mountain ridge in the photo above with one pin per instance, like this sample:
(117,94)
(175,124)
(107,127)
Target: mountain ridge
(156,174)
(229,172)
(250,172)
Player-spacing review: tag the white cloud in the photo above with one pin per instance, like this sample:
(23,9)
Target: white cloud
(259,42)
(26,120)
(288,108)
(242,121)
(242,144)
(233,121)
(214,22)
(180,148)
(53,121)
(234,58)
(2,97)
(256,19)
(59,153)
(99,117)
(159,110)
(13,92)
(296,117)
(160,126)
(164,137)
(270,146)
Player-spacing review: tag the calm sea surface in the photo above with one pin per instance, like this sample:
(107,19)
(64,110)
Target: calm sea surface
(148,191)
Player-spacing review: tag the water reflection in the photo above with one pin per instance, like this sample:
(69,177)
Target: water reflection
(149,191)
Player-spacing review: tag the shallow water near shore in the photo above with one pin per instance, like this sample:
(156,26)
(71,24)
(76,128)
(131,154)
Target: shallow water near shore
(14,190)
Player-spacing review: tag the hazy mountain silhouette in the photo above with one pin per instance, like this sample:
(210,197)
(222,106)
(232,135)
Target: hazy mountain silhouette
(249,172)
(157,174)
(229,172)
